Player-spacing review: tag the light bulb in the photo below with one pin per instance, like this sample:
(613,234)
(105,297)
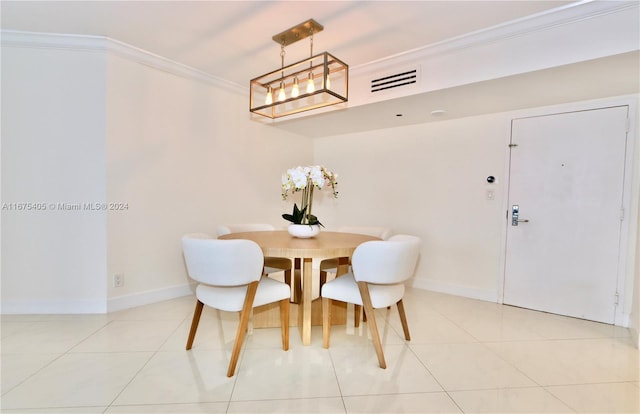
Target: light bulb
(269,99)
(295,90)
(311,87)
(281,95)
(328,81)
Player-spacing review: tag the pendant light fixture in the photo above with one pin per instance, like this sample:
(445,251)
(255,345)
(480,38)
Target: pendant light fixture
(325,79)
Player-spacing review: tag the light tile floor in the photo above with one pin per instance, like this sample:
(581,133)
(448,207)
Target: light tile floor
(465,356)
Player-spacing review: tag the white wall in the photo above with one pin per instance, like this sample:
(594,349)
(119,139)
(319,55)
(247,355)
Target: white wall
(53,141)
(185,157)
(634,320)
(94,124)
(430,180)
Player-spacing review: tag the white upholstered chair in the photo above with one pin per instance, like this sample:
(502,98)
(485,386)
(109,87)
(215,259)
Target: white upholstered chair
(331,265)
(271,264)
(230,279)
(379,270)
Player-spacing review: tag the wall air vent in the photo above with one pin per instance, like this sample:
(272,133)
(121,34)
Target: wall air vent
(404,78)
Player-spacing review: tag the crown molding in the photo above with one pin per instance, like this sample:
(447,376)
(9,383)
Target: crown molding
(561,16)
(105,44)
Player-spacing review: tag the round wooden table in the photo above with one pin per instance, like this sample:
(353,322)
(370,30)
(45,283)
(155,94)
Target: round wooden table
(325,245)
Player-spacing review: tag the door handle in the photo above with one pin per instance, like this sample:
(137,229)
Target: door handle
(515,209)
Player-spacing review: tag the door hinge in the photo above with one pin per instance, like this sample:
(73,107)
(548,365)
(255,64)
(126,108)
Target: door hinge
(616,299)
(621,213)
(513,145)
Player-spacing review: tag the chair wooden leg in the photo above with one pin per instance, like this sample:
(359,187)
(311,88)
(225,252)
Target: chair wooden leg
(356,315)
(194,323)
(371,321)
(284,323)
(242,327)
(403,319)
(326,321)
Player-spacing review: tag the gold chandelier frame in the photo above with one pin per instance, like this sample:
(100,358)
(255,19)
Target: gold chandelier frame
(318,81)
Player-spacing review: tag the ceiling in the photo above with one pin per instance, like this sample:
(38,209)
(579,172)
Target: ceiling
(232,40)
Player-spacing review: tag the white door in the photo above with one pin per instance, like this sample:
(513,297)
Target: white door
(567,178)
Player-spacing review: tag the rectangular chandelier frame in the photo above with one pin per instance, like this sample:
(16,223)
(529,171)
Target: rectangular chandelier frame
(330,78)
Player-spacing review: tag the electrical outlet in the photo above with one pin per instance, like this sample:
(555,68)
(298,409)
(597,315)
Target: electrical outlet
(118,280)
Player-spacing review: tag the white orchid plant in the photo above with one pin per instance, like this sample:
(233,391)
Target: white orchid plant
(305,180)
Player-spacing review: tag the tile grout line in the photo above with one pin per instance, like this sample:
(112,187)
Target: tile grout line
(62,354)
(153,354)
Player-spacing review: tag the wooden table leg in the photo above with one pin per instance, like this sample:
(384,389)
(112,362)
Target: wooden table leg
(304,309)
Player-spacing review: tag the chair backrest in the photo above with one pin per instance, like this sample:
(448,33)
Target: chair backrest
(238,228)
(383,232)
(222,262)
(387,261)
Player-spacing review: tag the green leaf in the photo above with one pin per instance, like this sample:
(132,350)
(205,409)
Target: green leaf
(314,220)
(289,217)
(298,215)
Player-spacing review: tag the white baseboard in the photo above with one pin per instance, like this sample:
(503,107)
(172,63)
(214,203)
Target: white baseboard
(492,296)
(150,296)
(55,306)
(85,306)
(488,295)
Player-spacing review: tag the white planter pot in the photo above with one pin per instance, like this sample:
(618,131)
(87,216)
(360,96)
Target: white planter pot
(303,231)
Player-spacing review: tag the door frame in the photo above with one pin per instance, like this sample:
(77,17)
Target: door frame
(630,197)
